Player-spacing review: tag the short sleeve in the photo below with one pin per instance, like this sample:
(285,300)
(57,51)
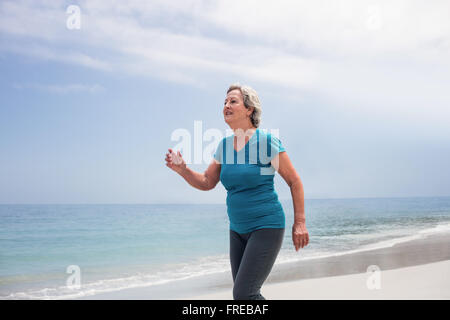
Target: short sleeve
(218,155)
(273,147)
(276,145)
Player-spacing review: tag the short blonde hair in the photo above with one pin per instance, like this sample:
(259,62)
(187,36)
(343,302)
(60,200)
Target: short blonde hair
(250,100)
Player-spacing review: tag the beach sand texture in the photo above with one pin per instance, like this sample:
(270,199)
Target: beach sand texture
(416,269)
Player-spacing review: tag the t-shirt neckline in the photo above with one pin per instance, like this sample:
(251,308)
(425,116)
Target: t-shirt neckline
(243,148)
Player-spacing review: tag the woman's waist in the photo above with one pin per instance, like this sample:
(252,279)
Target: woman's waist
(254,206)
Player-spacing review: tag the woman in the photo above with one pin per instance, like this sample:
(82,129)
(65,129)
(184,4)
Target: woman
(257,220)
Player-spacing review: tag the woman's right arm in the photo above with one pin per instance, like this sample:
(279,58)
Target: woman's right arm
(202,181)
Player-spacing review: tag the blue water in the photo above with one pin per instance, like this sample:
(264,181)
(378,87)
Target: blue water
(124,246)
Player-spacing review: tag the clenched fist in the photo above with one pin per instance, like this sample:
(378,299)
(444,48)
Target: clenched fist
(175,161)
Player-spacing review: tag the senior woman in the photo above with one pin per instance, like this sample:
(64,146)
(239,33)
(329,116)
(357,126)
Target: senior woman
(257,219)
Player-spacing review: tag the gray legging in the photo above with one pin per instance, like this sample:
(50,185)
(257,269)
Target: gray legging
(252,256)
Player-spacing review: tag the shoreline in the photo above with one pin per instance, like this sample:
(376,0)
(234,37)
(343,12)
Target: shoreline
(431,248)
(401,256)
(429,281)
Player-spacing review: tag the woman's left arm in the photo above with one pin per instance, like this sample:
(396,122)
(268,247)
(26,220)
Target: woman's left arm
(284,167)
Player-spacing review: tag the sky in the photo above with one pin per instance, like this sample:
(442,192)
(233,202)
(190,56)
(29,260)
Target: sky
(93,91)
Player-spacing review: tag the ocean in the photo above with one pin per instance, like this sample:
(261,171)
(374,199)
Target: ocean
(110,247)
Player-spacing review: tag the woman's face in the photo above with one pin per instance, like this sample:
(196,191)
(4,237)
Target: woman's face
(234,109)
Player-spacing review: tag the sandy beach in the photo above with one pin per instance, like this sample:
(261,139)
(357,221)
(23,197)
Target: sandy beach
(416,269)
(428,281)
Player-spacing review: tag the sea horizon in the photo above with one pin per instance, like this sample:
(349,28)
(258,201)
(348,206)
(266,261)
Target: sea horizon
(222,202)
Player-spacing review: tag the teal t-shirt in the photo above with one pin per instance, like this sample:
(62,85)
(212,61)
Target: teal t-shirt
(248,177)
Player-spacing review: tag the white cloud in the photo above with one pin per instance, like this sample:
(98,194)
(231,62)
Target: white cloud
(61,88)
(63,55)
(388,56)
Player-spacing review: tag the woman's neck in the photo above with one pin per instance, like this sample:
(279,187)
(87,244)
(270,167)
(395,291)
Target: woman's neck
(244,131)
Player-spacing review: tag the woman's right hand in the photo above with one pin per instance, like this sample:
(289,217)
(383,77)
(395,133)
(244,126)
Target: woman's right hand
(175,161)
